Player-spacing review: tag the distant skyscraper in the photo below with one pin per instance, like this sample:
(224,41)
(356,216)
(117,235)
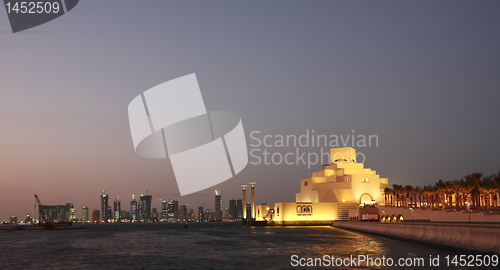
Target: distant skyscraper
(69,212)
(172,210)
(117,209)
(209,215)
(104,207)
(239,209)
(141,209)
(96,216)
(175,205)
(110,212)
(133,209)
(233,209)
(57,212)
(200,213)
(72,213)
(249,211)
(85,213)
(124,214)
(164,210)
(145,207)
(154,215)
(13,220)
(183,212)
(218,205)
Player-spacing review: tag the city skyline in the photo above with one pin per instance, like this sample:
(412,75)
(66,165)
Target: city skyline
(84,213)
(421,76)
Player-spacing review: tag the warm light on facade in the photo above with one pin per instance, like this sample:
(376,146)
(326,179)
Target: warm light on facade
(328,190)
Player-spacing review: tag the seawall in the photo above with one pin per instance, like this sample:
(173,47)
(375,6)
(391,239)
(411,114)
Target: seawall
(484,238)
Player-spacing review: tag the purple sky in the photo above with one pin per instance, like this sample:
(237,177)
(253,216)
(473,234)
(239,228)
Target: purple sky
(423,76)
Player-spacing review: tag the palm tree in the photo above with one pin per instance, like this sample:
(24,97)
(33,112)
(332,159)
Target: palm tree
(472,190)
(408,190)
(418,191)
(497,190)
(434,197)
(488,188)
(426,191)
(441,189)
(397,189)
(449,189)
(388,193)
(467,186)
(431,192)
(457,184)
(475,178)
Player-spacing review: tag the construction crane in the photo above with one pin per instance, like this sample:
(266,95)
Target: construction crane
(39,209)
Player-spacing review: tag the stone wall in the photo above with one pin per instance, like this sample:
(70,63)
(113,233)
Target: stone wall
(439,215)
(303,223)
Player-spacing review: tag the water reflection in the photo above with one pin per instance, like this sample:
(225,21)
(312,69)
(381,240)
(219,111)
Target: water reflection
(161,246)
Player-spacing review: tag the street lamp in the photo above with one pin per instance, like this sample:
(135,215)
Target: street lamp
(411,214)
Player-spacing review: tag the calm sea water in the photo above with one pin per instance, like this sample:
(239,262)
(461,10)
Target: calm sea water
(201,246)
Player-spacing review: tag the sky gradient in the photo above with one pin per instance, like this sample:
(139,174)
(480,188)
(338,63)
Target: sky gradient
(423,76)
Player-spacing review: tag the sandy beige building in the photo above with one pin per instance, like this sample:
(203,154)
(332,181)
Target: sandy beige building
(329,194)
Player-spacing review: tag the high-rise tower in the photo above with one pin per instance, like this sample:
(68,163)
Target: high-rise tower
(85,214)
(145,207)
(218,205)
(116,209)
(133,209)
(104,207)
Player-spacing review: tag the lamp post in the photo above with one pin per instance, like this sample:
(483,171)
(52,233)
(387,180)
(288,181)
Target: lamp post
(411,214)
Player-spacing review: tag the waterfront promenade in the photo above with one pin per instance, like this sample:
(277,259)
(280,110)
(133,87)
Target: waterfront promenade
(484,238)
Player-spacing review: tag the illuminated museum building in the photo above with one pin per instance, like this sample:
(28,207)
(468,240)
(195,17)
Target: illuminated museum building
(330,193)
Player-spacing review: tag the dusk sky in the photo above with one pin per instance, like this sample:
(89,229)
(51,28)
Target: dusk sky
(422,76)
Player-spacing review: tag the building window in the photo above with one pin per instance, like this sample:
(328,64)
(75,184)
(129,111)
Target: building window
(303,210)
(306,183)
(367,180)
(362,180)
(278,211)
